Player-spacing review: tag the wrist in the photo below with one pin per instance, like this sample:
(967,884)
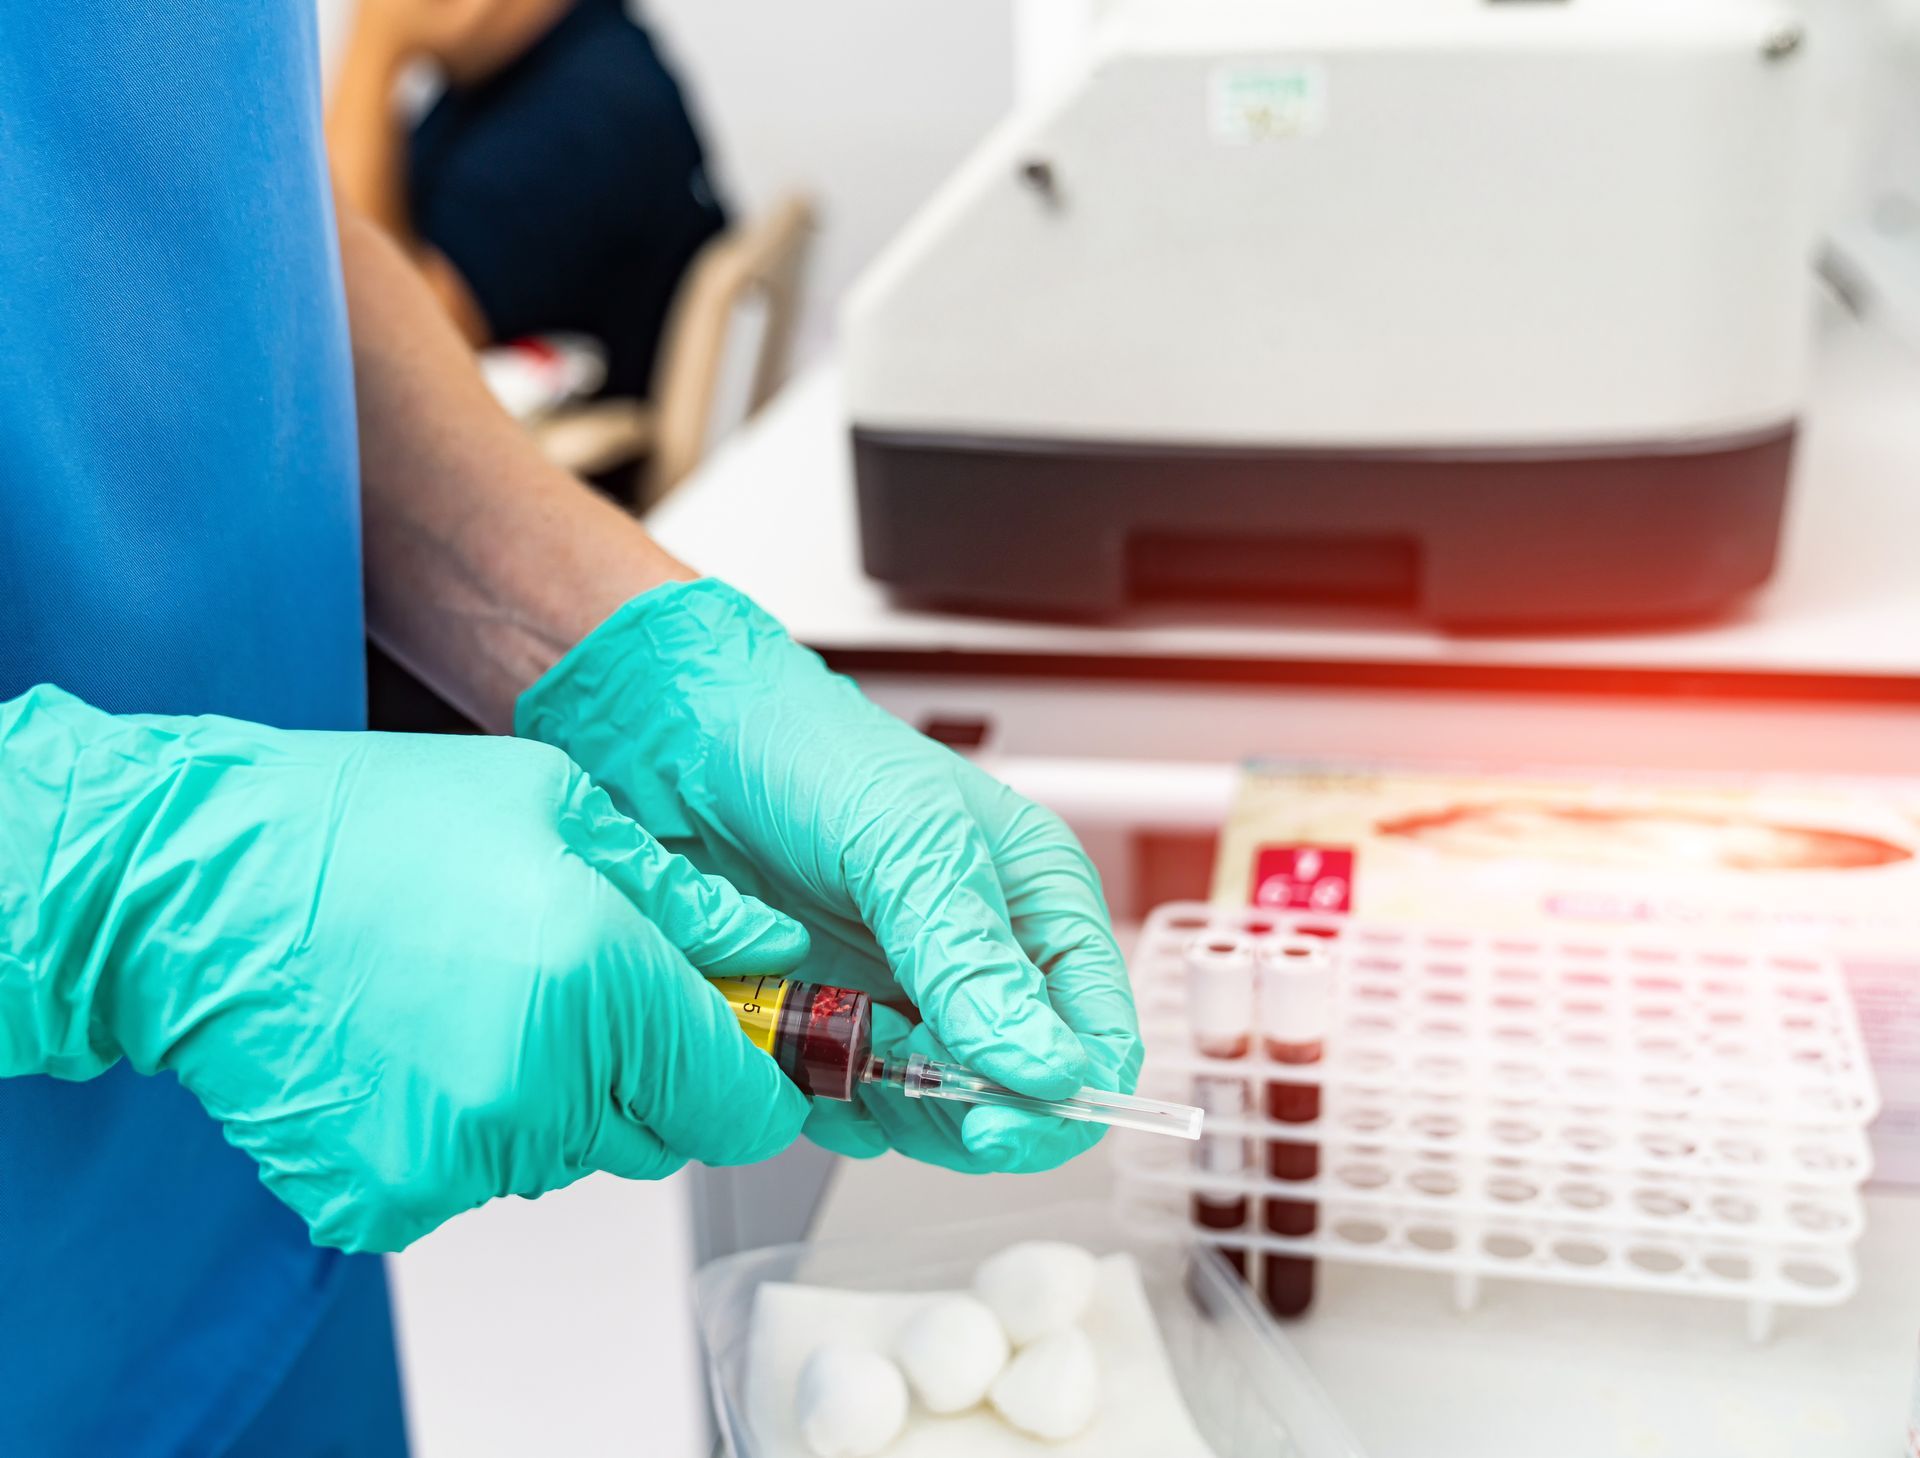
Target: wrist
(638,653)
(560,603)
(622,701)
(71,825)
(609,584)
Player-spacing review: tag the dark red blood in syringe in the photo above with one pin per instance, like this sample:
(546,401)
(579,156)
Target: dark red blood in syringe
(824,1039)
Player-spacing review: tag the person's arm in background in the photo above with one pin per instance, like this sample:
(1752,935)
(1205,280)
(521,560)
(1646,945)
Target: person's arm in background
(367,135)
(917,875)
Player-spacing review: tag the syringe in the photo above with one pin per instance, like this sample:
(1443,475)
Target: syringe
(822,1038)
(921,1077)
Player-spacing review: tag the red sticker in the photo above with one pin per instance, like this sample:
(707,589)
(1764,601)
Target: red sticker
(1303,878)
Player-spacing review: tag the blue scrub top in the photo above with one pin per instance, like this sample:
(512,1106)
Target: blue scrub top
(179,533)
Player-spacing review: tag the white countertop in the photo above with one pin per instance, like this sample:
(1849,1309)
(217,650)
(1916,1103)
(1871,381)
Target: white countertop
(773,513)
(1537,1370)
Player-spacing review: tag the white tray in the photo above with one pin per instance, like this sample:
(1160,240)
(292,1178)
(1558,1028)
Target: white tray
(1244,1385)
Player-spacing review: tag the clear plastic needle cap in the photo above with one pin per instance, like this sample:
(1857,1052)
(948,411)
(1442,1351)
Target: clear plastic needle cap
(920,1077)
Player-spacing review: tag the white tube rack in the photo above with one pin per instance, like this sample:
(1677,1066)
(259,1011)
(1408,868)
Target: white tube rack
(1599,1110)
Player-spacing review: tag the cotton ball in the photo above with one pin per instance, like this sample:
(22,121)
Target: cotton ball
(951,1350)
(1036,1287)
(849,1402)
(1051,1387)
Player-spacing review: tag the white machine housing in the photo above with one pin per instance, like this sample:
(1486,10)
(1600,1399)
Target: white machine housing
(1308,246)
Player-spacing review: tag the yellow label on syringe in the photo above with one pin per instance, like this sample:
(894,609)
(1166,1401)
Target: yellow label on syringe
(756,1002)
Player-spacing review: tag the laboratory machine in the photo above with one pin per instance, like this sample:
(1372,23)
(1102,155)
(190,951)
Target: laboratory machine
(1496,310)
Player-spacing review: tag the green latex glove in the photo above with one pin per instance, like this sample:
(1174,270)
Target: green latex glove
(919,877)
(405,973)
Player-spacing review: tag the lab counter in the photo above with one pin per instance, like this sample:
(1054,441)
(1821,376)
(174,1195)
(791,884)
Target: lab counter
(1536,1369)
(1132,728)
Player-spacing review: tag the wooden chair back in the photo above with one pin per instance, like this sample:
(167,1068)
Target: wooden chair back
(766,259)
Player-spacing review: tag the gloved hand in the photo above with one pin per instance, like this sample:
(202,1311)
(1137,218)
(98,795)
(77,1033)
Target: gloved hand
(405,973)
(919,877)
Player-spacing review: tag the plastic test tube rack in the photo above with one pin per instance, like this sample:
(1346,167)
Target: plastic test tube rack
(1589,1109)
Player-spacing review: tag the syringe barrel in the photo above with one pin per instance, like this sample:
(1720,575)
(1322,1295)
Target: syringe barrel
(820,1036)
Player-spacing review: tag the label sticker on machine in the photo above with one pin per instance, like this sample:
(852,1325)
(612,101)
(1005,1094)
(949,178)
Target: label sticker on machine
(1268,102)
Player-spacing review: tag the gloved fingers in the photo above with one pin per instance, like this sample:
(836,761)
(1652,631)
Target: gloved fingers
(630,1150)
(722,932)
(1012,1139)
(845,1128)
(841,952)
(975,1140)
(923,1129)
(358,1213)
(1060,919)
(688,1074)
(337,1215)
(928,888)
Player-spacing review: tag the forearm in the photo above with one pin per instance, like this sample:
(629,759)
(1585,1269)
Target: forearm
(484,561)
(366,138)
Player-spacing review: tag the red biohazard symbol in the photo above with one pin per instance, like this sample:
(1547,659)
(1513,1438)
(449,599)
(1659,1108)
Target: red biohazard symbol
(1303,878)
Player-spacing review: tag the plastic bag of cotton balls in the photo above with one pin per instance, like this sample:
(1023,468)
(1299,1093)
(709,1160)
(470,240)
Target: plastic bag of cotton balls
(1014,1344)
(951,1349)
(1037,1288)
(1051,1387)
(849,1402)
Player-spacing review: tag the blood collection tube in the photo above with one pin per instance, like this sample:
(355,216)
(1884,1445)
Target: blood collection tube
(1223,1154)
(1220,1007)
(1295,996)
(1220,994)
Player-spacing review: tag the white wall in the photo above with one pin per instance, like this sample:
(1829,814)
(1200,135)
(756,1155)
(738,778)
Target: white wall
(562,1325)
(1051,40)
(866,104)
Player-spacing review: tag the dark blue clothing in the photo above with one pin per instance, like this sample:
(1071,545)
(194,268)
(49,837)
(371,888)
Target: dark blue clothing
(570,190)
(179,532)
(342,1399)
